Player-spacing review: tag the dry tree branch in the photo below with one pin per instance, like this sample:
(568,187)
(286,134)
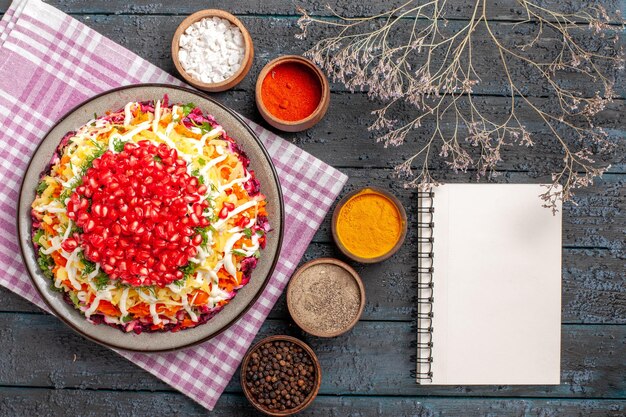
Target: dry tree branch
(433,69)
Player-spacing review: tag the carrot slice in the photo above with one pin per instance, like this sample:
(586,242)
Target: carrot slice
(105,307)
(187,322)
(168,311)
(140,310)
(186,132)
(48,228)
(198,297)
(58,258)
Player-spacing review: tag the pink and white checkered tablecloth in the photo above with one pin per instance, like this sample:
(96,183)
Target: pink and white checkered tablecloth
(50,62)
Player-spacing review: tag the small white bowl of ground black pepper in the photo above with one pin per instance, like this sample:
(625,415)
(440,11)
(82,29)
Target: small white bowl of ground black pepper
(280,375)
(325,297)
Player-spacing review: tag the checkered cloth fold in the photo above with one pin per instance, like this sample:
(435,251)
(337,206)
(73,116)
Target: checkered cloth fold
(50,62)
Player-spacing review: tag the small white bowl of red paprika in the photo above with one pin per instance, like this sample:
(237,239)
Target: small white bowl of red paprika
(292,93)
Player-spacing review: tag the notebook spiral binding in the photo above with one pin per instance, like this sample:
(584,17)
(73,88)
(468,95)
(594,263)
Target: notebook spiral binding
(425,293)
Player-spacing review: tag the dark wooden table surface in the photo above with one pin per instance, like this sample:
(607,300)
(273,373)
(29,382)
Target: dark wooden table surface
(46,369)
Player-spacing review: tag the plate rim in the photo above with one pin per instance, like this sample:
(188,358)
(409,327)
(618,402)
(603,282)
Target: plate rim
(281,204)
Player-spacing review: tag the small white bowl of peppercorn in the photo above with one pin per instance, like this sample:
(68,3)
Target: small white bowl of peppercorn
(280,375)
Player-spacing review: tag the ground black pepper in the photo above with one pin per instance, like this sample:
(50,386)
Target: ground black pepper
(280,375)
(325,299)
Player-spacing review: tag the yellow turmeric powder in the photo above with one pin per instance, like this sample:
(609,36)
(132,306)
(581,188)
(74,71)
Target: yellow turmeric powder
(369,224)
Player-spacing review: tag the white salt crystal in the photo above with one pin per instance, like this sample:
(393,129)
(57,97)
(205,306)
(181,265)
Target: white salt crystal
(211,50)
(232,59)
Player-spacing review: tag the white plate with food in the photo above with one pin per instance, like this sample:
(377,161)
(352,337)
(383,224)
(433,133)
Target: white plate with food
(150,218)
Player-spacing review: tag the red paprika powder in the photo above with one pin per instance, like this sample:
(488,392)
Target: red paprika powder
(291,91)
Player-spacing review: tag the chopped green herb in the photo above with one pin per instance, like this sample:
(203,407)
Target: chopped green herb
(196,173)
(38,236)
(98,145)
(89,266)
(257,254)
(46,263)
(211,228)
(54,288)
(206,127)
(65,195)
(157,158)
(187,270)
(118,145)
(42,187)
(180,282)
(187,108)
(126,319)
(260,232)
(89,161)
(101,280)
(247,232)
(95,115)
(204,232)
(76,181)
(239,253)
(74,299)
(201,161)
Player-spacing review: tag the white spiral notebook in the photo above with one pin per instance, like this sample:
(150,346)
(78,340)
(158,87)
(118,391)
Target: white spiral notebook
(489,286)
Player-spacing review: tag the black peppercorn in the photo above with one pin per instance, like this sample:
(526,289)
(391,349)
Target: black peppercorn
(280,375)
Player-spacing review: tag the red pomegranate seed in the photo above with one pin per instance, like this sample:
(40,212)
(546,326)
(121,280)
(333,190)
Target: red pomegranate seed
(223,213)
(197,239)
(229,206)
(69,245)
(89,226)
(97,241)
(242,222)
(181,259)
(192,198)
(138,214)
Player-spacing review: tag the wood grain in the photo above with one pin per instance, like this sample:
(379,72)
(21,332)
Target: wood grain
(47,402)
(341,139)
(374,358)
(594,281)
(459,9)
(45,369)
(151,36)
(594,288)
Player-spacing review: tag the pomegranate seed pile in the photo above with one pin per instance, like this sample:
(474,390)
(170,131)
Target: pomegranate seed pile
(138,210)
(122,218)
